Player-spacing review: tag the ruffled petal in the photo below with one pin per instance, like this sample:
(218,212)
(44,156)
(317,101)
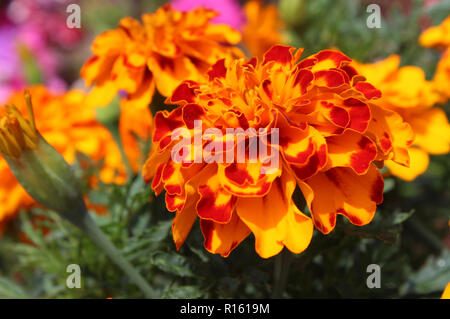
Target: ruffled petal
(275,220)
(418,164)
(342,191)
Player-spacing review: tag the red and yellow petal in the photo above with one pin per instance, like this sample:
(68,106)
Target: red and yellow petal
(223,238)
(351,149)
(215,202)
(341,191)
(275,221)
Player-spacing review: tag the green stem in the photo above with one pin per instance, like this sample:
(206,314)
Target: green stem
(109,116)
(114,129)
(91,229)
(428,237)
(281,271)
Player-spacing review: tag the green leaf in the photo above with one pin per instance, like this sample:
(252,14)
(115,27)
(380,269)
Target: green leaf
(182,292)
(172,263)
(9,289)
(432,277)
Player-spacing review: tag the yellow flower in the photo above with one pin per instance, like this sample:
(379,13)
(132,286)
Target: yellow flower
(436,36)
(263,27)
(439,37)
(406,91)
(67,124)
(325,137)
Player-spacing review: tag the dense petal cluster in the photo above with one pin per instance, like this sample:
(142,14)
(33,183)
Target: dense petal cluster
(169,47)
(330,135)
(71,128)
(406,91)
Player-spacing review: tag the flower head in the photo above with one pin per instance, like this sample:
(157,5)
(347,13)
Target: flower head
(169,46)
(406,91)
(315,127)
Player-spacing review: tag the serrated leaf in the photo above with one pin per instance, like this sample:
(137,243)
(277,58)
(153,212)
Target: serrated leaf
(9,289)
(172,263)
(432,277)
(183,292)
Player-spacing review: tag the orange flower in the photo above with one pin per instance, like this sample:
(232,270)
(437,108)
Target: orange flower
(263,27)
(71,128)
(406,91)
(436,36)
(329,137)
(439,37)
(169,47)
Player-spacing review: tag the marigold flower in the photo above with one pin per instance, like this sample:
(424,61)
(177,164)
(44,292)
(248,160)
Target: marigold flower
(330,134)
(68,125)
(406,91)
(169,47)
(263,27)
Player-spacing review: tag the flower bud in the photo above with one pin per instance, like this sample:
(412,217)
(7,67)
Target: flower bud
(38,167)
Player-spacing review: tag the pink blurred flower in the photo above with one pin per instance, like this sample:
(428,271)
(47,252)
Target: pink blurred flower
(33,29)
(230,11)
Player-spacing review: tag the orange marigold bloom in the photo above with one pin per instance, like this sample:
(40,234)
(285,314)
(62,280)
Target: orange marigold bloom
(263,27)
(406,91)
(71,128)
(168,47)
(330,134)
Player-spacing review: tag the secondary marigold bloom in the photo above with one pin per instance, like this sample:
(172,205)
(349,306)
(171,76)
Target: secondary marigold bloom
(406,91)
(329,136)
(169,47)
(263,27)
(65,123)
